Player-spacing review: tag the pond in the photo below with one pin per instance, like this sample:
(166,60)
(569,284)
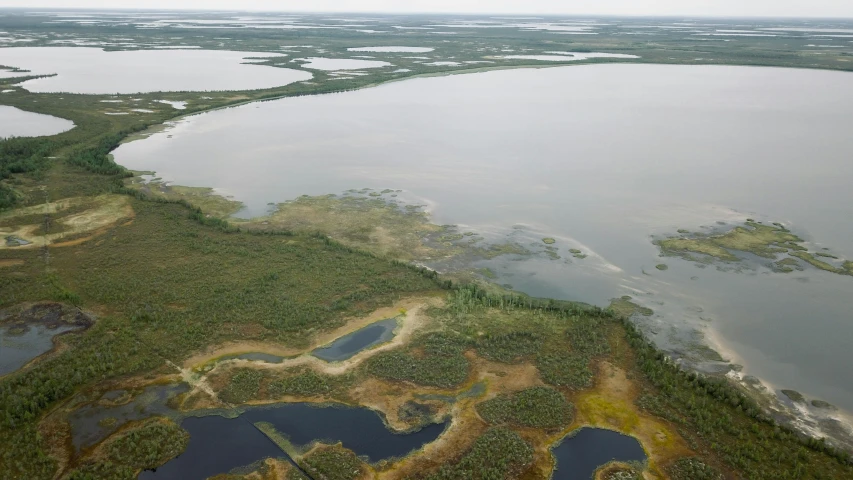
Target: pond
(19,345)
(219,444)
(362,339)
(578,456)
(599,158)
(15,122)
(95,71)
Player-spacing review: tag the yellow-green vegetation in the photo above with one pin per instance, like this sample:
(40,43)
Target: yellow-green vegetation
(624,307)
(536,407)
(662,267)
(768,241)
(548,241)
(577,253)
(204,198)
(66,220)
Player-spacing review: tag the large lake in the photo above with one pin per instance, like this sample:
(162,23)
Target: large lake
(600,157)
(96,71)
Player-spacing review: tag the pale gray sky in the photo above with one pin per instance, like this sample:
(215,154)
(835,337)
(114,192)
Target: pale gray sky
(771,8)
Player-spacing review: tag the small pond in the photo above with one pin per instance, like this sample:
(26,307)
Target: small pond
(578,456)
(19,347)
(219,444)
(349,345)
(319,63)
(15,122)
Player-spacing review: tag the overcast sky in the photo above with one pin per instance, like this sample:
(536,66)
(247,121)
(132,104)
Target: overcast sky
(768,8)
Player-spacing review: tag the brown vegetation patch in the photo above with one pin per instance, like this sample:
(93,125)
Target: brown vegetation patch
(10,263)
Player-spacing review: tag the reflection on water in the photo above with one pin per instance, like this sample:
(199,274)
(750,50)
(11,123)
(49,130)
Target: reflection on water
(348,345)
(599,158)
(95,71)
(578,456)
(218,444)
(19,345)
(18,123)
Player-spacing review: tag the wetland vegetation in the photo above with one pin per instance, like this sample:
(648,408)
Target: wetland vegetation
(174,288)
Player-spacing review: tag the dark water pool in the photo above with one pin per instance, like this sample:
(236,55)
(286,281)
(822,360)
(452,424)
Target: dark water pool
(219,445)
(19,347)
(348,345)
(577,457)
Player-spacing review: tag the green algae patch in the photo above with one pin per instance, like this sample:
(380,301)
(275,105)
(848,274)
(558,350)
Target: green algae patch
(766,241)
(662,267)
(577,253)
(795,396)
(548,241)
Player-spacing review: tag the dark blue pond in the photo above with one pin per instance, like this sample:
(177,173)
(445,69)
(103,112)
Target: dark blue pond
(577,457)
(218,444)
(348,345)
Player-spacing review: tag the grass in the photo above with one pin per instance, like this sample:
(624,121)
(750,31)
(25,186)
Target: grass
(536,407)
(331,463)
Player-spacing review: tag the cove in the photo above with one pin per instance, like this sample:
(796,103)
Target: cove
(578,456)
(362,339)
(599,158)
(19,345)
(15,122)
(218,444)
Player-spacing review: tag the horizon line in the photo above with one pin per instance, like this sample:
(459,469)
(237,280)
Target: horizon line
(397,12)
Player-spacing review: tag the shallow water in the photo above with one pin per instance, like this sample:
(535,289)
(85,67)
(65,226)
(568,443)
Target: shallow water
(15,122)
(349,345)
(577,457)
(330,64)
(218,444)
(95,71)
(18,349)
(599,157)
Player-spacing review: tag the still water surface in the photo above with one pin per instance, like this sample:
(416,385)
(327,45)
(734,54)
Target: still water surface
(218,444)
(15,122)
(599,157)
(95,71)
(577,457)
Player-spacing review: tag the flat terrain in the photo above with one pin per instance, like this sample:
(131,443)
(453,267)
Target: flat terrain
(174,290)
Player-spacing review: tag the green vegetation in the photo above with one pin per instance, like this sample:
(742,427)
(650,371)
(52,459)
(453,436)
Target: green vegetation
(244,386)
(329,463)
(434,360)
(175,277)
(304,384)
(768,241)
(145,446)
(498,454)
(662,267)
(692,469)
(536,407)
(548,241)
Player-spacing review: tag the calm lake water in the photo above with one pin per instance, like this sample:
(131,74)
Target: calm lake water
(218,444)
(95,71)
(599,157)
(348,345)
(15,122)
(16,349)
(577,457)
